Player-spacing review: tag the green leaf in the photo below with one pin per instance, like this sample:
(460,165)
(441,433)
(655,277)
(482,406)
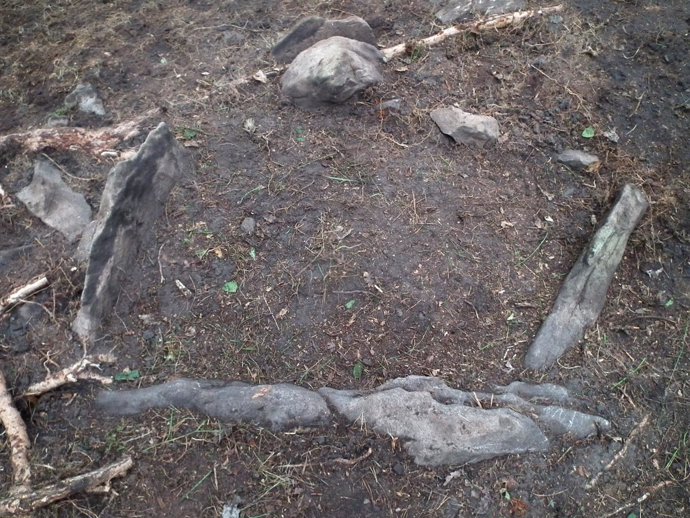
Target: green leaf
(350,304)
(231,287)
(357,371)
(189,133)
(632,515)
(252,254)
(128,376)
(588,132)
(669,303)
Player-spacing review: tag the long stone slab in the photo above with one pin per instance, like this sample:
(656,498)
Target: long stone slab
(583,294)
(134,196)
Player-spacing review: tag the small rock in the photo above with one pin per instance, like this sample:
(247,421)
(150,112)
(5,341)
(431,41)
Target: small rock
(331,71)
(399,469)
(579,160)
(458,10)
(57,121)
(394,105)
(314,28)
(86,98)
(466,128)
(51,199)
(248,226)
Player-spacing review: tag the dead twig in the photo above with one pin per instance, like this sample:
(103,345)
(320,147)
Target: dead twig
(99,142)
(641,499)
(27,500)
(492,23)
(72,374)
(618,456)
(19,440)
(21,293)
(352,462)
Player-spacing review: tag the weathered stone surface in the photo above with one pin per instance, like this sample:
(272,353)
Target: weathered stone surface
(248,226)
(466,128)
(134,195)
(51,200)
(545,391)
(331,71)
(278,407)
(312,29)
(86,98)
(460,10)
(579,160)
(435,433)
(583,293)
(562,421)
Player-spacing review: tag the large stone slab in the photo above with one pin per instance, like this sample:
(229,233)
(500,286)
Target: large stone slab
(134,196)
(278,407)
(461,10)
(331,71)
(464,127)
(312,29)
(49,198)
(583,294)
(435,433)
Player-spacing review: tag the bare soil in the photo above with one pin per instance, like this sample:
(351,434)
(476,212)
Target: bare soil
(379,242)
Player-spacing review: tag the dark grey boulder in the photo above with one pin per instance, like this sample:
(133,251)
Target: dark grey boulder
(583,294)
(312,29)
(466,128)
(331,71)
(461,10)
(278,407)
(134,196)
(49,198)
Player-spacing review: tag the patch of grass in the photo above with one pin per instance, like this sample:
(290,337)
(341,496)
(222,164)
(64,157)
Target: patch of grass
(681,457)
(624,381)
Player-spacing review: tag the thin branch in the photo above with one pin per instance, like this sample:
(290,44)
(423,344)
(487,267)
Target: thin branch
(495,22)
(18,437)
(28,500)
(71,374)
(641,499)
(16,296)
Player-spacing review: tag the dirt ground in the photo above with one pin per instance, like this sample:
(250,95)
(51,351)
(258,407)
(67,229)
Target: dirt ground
(379,244)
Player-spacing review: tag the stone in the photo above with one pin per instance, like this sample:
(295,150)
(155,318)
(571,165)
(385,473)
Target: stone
(312,29)
(279,407)
(436,434)
(579,160)
(460,10)
(583,293)
(331,71)
(466,128)
(49,198)
(248,226)
(85,97)
(134,196)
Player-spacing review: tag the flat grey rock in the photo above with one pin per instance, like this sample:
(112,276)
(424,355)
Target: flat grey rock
(49,198)
(331,71)
(578,160)
(278,407)
(583,294)
(85,97)
(248,226)
(461,10)
(466,128)
(437,434)
(312,29)
(134,196)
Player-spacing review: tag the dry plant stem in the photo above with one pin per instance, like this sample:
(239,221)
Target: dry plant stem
(641,499)
(28,500)
(19,439)
(23,292)
(618,456)
(71,374)
(93,142)
(495,22)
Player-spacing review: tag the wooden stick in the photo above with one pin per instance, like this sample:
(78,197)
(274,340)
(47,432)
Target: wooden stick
(71,374)
(19,439)
(28,500)
(641,499)
(99,142)
(495,22)
(618,456)
(23,292)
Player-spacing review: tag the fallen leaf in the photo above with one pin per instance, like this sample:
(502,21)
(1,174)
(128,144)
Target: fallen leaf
(260,76)
(230,287)
(357,371)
